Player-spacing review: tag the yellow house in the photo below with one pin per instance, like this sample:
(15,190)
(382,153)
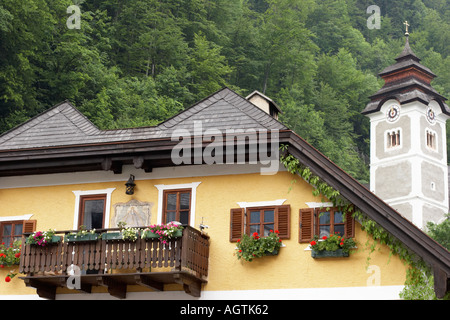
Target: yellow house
(219,169)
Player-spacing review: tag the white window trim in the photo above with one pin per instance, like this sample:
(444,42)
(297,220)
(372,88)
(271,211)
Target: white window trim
(78,195)
(162,187)
(272,203)
(16,218)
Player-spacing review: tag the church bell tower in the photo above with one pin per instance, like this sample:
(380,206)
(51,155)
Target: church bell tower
(408,146)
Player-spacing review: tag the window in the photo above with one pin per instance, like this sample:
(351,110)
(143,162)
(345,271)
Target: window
(162,202)
(177,206)
(88,216)
(393,139)
(11,231)
(261,220)
(330,222)
(431,140)
(92,211)
(323,222)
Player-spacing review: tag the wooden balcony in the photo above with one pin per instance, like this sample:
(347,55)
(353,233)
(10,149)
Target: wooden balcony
(116,264)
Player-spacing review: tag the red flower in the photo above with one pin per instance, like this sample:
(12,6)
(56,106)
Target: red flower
(7,279)
(240,250)
(276,231)
(324,237)
(2,266)
(239,240)
(17,255)
(313,243)
(271,230)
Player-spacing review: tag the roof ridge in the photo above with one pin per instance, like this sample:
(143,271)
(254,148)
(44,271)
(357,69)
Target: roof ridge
(262,113)
(164,123)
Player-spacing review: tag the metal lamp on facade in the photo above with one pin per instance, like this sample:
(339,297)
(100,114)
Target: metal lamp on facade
(130,185)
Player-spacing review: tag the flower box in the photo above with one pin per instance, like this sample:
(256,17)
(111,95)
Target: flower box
(150,235)
(112,236)
(80,238)
(329,254)
(272,253)
(55,239)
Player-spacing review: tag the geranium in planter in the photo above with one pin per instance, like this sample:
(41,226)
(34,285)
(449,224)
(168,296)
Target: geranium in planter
(42,238)
(9,256)
(254,246)
(332,246)
(164,232)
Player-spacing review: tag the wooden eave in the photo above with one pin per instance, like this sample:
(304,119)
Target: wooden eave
(143,154)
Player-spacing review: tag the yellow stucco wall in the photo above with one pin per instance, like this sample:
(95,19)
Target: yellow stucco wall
(53,207)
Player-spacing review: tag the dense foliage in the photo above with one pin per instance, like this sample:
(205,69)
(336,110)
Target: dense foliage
(136,63)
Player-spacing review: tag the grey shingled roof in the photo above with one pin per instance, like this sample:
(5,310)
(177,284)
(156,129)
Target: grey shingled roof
(64,125)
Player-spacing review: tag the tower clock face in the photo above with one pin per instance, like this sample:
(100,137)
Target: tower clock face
(393,113)
(431,117)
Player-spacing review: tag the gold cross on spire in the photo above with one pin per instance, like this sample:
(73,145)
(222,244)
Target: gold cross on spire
(406,25)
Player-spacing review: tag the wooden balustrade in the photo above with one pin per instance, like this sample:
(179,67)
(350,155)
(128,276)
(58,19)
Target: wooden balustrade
(187,254)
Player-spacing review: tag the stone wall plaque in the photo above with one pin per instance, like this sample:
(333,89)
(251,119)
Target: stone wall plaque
(134,213)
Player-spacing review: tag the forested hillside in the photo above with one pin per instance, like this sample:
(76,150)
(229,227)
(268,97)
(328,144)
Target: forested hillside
(136,63)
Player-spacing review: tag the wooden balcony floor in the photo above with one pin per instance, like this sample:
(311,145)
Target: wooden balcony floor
(116,283)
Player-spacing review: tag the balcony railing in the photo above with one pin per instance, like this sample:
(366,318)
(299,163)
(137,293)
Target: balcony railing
(116,264)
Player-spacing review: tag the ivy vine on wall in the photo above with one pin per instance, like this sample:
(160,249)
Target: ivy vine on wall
(419,283)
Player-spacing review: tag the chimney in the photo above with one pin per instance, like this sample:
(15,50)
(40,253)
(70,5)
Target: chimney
(264,103)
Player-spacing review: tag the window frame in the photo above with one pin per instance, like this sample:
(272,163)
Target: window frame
(239,218)
(27,226)
(431,140)
(178,209)
(332,224)
(84,198)
(261,222)
(162,187)
(78,194)
(13,224)
(393,139)
(309,223)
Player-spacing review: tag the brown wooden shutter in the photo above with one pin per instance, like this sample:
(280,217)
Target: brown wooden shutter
(29,226)
(237,217)
(282,221)
(349,225)
(306,222)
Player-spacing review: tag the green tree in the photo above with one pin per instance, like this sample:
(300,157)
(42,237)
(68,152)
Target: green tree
(207,67)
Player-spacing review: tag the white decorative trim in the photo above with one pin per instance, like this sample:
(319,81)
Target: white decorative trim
(79,193)
(272,203)
(16,218)
(319,204)
(161,187)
